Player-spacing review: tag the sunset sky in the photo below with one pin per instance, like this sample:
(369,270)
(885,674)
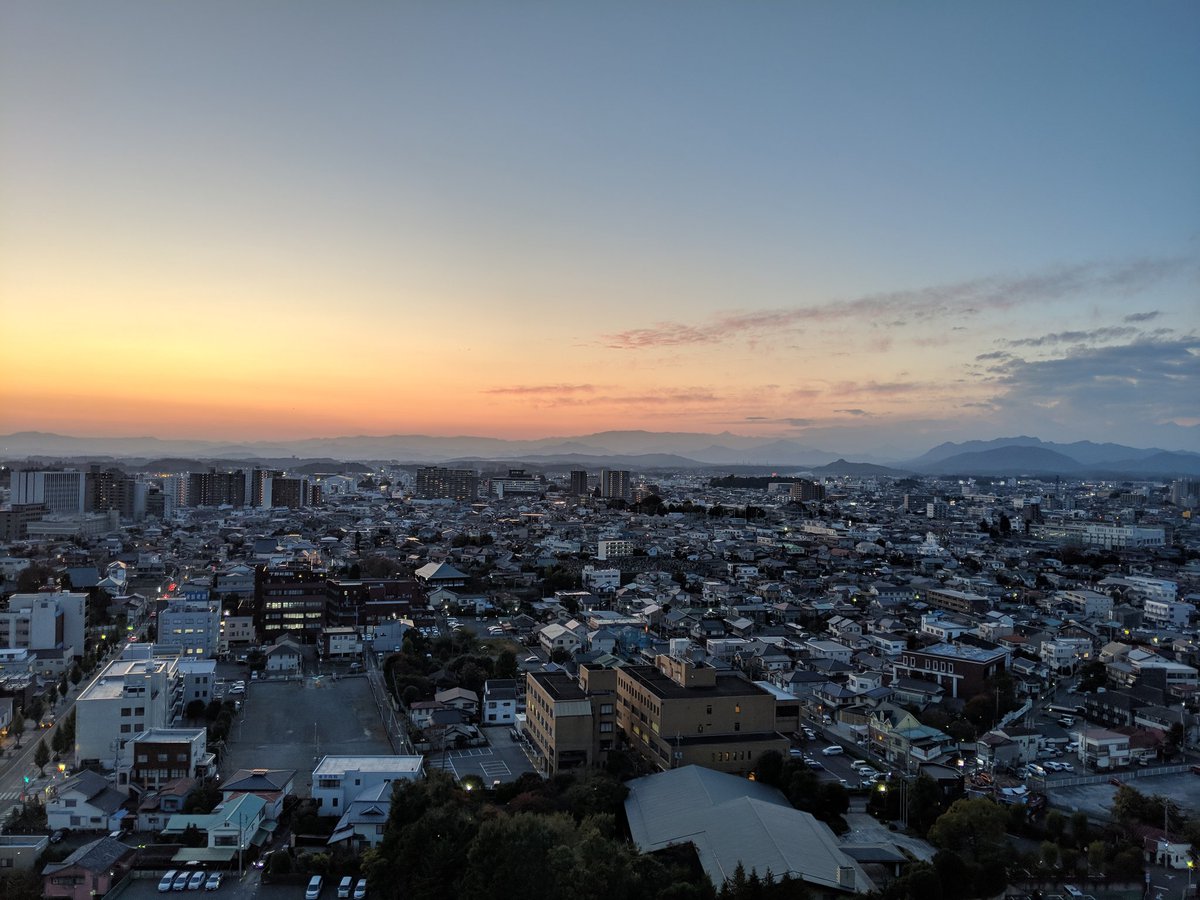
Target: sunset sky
(856,225)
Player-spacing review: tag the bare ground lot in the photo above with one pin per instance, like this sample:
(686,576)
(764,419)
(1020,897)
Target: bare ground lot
(291,724)
(1096,799)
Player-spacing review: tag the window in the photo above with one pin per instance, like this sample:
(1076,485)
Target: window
(606,726)
(737,726)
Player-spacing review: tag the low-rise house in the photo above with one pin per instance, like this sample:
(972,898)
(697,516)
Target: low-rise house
(155,808)
(466,702)
(284,657)
(273,786)
(340,780)
(234,825)
(557,637)
(499,702)
(91,871)
(85,801)
(362,824)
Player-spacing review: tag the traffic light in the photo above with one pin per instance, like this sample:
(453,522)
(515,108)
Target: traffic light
(27,779)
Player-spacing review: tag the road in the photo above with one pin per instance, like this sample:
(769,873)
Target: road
(17,764)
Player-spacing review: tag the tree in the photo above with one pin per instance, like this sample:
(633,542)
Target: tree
(559,655)
(769,769)
(506,664)
(1049,853)
(195,710)
(17,726)
(1056,825)
(41,756)
(1080,828)
(58,741)
(76,674)
(974,827)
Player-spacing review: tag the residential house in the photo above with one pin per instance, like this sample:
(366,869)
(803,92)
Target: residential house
(284,656)
(85,801)
(499,702)
(340,780)
(89,872)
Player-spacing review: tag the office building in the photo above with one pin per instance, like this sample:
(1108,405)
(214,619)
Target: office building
(190,628)
(133,694)
(292,598)
(45,621)
(61,492)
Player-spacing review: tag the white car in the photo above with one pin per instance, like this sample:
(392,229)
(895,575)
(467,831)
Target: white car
(164,885)
(834,750)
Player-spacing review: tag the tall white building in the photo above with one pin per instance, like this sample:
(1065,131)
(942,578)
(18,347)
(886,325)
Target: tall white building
(45,621)
(61,492)
(134,693)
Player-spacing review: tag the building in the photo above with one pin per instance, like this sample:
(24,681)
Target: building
(63,493)
(499,702)
(190,627)
(339,780)
(86,802)
(1168,613)
(437,483)
(291,493)
(130,696)
(292,599)
(213,488)
(735,823)
(564,724)
(616,484)
(199,677)
(45,621)
(961,668)
(611,549)
(15,520)
(677,713)
(20,852)
(158,756)
(89,872)
(802,491)
(579,482)
(517,482)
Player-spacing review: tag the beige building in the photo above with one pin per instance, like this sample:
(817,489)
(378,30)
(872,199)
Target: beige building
(674,713)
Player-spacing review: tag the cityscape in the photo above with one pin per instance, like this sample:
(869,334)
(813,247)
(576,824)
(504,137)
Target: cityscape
(627,451)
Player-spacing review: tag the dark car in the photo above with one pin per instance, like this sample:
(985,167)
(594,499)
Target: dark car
(57,836)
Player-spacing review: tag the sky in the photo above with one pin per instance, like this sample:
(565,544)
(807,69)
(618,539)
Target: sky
(860,226)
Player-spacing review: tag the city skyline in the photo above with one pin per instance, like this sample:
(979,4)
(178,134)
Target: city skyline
(854,227)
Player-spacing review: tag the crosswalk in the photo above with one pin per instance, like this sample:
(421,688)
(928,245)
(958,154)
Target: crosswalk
(10,795)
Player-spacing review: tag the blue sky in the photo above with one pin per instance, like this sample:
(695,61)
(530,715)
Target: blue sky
(852,224)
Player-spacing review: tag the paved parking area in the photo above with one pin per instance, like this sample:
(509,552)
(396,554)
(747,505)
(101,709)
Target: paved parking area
(504,760)
(1096,799)
(292,724)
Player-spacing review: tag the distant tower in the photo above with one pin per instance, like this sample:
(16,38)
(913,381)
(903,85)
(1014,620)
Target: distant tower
(579,483)
(616,484)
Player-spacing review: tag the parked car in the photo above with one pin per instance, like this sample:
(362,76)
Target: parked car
(314,888)
(181,881)
(196,882)
(360,889)
(165,883)
(345,886)
(57,836)
(213,882)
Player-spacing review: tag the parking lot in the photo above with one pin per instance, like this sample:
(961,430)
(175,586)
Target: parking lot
(1096,799)
(292,724)
(504,760)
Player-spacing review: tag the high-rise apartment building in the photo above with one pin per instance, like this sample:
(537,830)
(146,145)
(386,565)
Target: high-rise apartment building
(579,483)
(805,491)
(213,488)
(437,483)
(616,484)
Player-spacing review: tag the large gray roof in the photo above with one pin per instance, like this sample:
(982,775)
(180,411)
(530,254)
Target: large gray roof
(732,820)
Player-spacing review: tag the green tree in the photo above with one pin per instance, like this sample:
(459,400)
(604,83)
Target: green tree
(1049,853)
(21,884)
(769,768)
(76,674)
(974,828)
(58,741)
(1096,853)
(195,710)
(1080,830)
(17,726)
(41,756)
(506,664)
(1056,825)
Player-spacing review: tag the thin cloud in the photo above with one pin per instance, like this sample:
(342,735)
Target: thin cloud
(542,389)
(1075,337)
(994,354)
(853,412)
(937,301)
(1143,316)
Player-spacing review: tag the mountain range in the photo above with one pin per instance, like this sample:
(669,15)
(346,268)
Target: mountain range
(635,450)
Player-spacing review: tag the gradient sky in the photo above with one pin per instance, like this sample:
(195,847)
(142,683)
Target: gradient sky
(856,225)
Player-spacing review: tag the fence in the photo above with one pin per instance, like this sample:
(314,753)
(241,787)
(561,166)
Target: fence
(1123,775)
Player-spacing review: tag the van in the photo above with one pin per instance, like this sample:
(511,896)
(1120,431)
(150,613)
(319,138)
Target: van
(314,888)
(833,750)
(345,887)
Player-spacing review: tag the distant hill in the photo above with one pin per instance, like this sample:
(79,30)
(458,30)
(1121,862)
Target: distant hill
(861,470)
(1009,460)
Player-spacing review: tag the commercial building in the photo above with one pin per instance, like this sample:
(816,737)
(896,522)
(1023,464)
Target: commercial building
(61,492)
(293,599)
(339,780)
